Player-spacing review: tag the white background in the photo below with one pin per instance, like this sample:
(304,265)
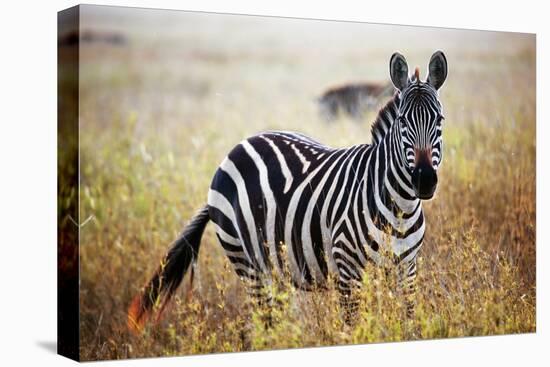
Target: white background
(28,182)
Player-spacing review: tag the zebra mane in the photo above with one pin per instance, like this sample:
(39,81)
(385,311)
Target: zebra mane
(384,120)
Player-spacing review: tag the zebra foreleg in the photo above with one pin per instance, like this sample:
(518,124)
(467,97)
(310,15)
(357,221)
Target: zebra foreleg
(349,303)
(407,284)
(349,285)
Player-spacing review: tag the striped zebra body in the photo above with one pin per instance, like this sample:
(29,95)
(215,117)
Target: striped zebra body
(280,200)
(333,209)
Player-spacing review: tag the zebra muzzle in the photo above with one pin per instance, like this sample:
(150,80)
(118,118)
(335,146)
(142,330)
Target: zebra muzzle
(424,176)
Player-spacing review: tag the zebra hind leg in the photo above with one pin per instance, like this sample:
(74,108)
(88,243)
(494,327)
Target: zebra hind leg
(259,291)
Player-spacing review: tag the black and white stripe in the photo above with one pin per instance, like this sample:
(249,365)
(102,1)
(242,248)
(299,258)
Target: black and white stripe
(280,200)
(334,209)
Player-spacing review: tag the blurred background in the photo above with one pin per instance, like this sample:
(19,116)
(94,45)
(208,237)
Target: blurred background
(164,96)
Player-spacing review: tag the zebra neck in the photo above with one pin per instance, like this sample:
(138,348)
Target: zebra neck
(394,179)
(384,121)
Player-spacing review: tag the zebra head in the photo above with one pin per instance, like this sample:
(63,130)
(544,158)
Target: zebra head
(420,119)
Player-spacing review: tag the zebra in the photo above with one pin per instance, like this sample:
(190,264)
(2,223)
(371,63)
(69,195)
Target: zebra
(352,99)
(282,199)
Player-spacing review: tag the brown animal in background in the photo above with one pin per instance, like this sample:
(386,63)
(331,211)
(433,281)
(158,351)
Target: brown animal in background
(73,38)
(353,99)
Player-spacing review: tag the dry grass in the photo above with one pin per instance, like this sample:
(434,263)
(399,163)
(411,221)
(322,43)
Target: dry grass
(158,115)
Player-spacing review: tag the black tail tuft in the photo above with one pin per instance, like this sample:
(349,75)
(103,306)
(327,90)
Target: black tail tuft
(168,277)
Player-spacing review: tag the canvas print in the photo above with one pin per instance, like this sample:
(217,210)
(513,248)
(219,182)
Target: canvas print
(235,183)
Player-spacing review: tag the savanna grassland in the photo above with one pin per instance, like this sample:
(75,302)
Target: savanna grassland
(160,111)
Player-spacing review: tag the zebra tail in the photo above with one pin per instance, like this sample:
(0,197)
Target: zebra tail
(162,286)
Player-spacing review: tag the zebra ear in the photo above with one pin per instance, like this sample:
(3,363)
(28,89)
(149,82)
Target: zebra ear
(437,70)
(399,71)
